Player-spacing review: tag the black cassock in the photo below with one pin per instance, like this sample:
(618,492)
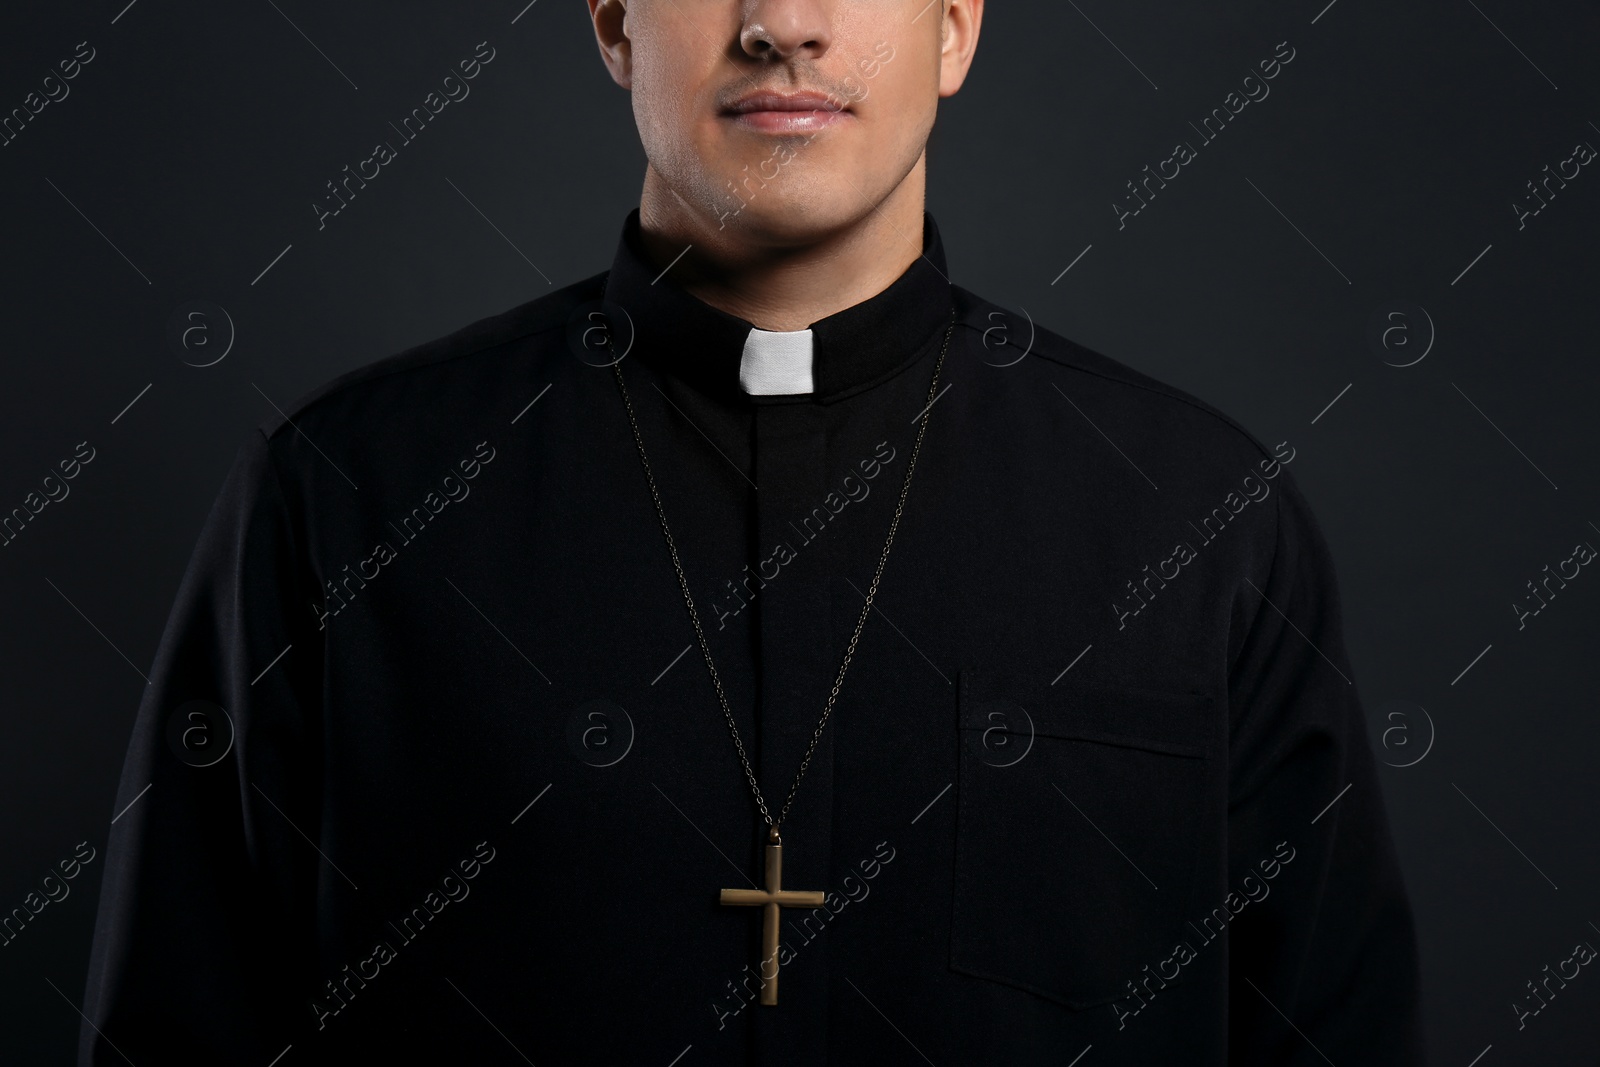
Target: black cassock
(432,769)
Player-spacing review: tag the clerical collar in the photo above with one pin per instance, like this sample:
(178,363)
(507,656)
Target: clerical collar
(778,363)
(728,357)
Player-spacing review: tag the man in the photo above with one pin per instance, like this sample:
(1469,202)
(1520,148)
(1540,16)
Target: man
(762,652)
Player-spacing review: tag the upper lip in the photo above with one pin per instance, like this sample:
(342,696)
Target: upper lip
(771,101)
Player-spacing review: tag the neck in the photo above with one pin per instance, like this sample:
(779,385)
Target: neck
(774,280)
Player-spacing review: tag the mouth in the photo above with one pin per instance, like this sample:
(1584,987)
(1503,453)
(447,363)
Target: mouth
(787,113)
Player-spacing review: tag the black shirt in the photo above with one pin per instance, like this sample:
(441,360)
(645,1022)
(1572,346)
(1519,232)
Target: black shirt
(432,768)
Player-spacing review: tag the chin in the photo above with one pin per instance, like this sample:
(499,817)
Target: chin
(792,217)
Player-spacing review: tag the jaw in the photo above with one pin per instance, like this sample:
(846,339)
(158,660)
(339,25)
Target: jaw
(786,194)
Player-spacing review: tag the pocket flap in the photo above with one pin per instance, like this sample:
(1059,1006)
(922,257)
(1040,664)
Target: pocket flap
(1170,721)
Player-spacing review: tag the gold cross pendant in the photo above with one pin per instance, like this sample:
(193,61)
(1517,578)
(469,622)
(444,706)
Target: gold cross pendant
(770,900)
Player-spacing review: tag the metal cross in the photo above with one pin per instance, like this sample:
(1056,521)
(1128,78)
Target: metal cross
(770,900)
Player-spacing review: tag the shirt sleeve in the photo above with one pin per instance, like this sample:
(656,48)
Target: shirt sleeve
(203,938)
(1322,955)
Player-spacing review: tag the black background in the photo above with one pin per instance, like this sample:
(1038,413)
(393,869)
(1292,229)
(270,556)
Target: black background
(1384,164)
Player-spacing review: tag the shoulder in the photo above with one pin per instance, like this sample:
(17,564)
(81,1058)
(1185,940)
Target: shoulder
(468,360)
(1101,443)
(1107,393)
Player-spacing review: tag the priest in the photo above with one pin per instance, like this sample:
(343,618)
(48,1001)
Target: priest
(765,651)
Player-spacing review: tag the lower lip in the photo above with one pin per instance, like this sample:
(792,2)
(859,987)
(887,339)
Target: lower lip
(789,121)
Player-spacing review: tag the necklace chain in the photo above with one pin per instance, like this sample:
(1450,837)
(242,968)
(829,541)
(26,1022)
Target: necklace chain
(866,609)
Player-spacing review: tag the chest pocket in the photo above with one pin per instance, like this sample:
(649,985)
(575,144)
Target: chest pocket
(1081,817)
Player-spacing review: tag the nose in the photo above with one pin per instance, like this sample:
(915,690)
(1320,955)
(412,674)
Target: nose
(783,29)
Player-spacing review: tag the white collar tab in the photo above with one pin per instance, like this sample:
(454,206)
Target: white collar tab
(776,363)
